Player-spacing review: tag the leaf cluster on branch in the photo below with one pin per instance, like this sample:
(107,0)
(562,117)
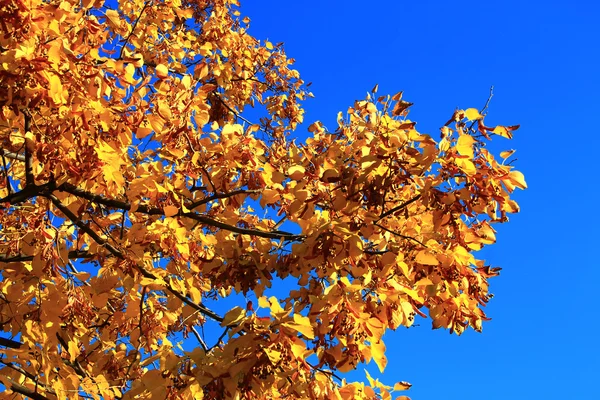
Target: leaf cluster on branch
(135,190)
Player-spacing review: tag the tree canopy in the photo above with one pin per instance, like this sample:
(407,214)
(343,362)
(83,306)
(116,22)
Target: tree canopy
(149,171)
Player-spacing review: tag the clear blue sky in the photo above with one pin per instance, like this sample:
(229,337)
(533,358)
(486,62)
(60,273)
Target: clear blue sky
(543,59)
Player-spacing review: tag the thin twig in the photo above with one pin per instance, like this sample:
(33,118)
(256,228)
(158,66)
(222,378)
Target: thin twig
(221,196)
(399,207)
(146,4)
(202,343)
(400,235)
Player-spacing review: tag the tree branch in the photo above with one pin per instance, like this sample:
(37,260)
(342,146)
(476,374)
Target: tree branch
(73,255)
(13,344)
(217,196)
(401,235)
(11,155)
(399,207)
(117,253)
(29,146)
(25,391)
(123,205)
(146,4)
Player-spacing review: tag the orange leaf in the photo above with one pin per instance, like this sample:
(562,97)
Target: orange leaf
(170,211)
(426,258)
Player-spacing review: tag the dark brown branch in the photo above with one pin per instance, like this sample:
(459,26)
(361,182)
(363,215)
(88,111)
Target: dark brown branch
(20,370)
(13,344)
(25,391)
(217,196)
(399,207)
(29,146)
(123,205)
(487,103)
(85,228)
(28,192)
(73,255)
(146,4)
(401,235)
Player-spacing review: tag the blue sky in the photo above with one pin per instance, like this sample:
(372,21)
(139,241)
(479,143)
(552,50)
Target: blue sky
(543,59)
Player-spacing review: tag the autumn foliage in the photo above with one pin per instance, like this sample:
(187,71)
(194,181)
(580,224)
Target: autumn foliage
(149,172)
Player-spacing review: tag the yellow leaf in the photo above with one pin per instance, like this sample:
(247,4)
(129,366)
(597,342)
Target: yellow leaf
(73,351)
(274,355)
(162,71)
(56,89)
(263,302)
(156,122)
(269,196)
(426,258)
(464,145)
(502,131)
(170,211)
(301,324)
(378,353)
(164,111)
(472,114)
(186,81)
(466,166)
(369,378)
(296,172)
(113,17)
(355,246)
(233,316)
(506,154)
(518,179)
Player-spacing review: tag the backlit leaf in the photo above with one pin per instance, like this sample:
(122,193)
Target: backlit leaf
(233,316)
(472,114)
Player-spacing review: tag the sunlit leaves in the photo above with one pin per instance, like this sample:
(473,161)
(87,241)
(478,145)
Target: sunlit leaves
(137,194)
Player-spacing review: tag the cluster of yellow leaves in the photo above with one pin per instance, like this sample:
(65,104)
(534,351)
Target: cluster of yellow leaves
(124,147)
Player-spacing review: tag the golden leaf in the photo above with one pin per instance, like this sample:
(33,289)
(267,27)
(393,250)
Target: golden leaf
(296,172)
(464,145)
(426,258)
(233,316)
(171,211)
(162,71)
(399,386)
(506,154)
(502,131)
(472,114)
(378,352)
